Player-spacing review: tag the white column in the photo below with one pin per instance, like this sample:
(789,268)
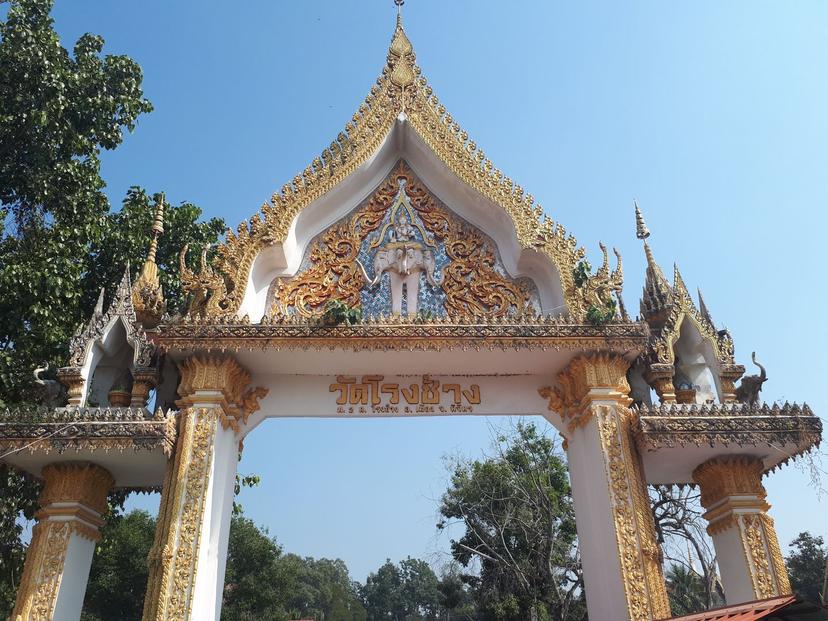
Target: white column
(215,530)
(616,533)
(188,558)
(63,542)
(747,548)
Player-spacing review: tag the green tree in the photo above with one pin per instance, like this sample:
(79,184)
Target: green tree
(59,243)
(685,589)
(807,566)
(405,592)
(118,577)
(322,590)
(515,508)
(456,599)
(57,112)
(256,582)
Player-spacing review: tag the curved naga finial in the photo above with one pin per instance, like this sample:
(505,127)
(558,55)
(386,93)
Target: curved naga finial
(207,287)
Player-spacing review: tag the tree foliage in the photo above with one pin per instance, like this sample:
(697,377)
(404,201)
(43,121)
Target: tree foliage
(59,242)
(408,591)
(516,511)
(688,550)
(807,566)
(118,577)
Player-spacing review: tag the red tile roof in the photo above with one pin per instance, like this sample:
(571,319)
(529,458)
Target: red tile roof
(750,611)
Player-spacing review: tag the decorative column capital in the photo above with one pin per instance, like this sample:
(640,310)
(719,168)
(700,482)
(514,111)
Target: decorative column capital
(219,379)
(729,375)
(588,378)
(722,477)
(660,377)
(734,497)
(75,482)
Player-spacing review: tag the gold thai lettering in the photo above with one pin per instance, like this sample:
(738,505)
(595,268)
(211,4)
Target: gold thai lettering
(473,394)
(455,388)
(431,392)
(343,384)
(412,394)
(370,390)
(394,391)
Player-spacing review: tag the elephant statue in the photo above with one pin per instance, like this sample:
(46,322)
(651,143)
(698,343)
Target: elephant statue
(404,261)
(48,392)
(750,386)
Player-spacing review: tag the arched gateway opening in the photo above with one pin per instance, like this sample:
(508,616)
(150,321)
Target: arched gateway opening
(401,274)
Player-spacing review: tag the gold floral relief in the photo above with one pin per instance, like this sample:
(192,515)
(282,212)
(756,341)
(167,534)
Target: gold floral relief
(471,281)
(334,274)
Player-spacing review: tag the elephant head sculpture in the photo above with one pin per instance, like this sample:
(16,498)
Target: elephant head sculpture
(751,385)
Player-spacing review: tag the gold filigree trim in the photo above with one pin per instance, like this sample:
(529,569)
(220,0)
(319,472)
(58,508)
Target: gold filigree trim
(399,90)
(471,283)
(603,370)
(682,308)
(638,550)
(43,571)
(175,563)
(219,379)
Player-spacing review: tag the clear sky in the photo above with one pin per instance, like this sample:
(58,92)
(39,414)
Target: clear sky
(711,114)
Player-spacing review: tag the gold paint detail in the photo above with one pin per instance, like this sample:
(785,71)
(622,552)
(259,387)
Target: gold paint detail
(43,572)
(582,375)
(780,571)
(594,386)
(84,483)
(219,379)
(147,293)
(472,285)
(728,424)
(753,538)
(104,430)
(638,550)
(402,333)
(71,503)
(720,477)
(733,494)
(207,287)
(399,90)
(173,558)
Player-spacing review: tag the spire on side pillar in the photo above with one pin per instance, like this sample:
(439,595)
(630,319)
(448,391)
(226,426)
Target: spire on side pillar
(658,294)
(147,294)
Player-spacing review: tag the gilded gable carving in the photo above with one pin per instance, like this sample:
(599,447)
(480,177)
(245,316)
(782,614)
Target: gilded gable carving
(403,252)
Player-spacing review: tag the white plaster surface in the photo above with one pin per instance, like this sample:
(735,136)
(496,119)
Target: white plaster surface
(603,580)
(313,396)
(733,566)
(75,576)
(215,529)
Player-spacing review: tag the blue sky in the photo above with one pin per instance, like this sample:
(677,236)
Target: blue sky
(711,114)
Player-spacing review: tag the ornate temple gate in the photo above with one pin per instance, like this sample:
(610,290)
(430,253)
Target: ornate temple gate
(401,275)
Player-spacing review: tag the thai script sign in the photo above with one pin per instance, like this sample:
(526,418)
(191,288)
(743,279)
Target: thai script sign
(373,395)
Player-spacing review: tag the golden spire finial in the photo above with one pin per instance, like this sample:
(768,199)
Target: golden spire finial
(641,230)
(157,228)
(147,294)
